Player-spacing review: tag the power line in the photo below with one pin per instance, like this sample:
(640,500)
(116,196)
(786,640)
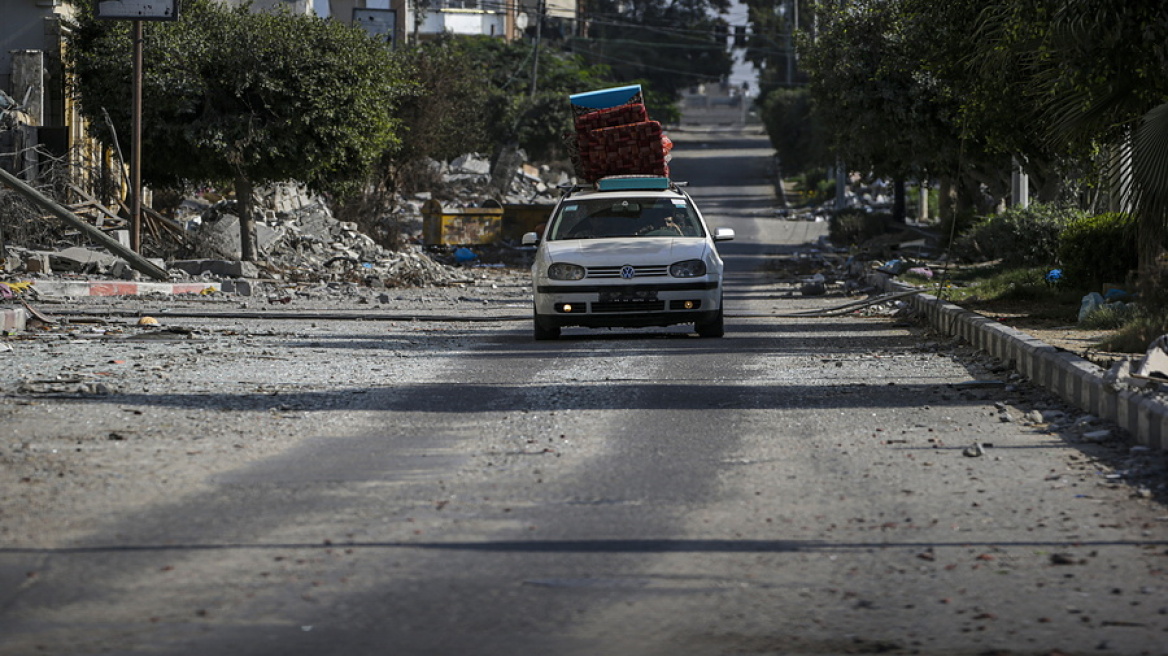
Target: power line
(662,69)
(650,44)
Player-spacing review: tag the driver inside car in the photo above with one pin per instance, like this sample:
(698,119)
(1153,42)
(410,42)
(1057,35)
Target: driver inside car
(658,222)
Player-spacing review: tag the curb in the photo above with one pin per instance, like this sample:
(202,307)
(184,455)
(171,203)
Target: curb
(54,288)
(1072,378)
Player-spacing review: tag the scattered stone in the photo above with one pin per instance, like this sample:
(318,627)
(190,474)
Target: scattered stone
(975,451)
(1052,416)
(1097,436)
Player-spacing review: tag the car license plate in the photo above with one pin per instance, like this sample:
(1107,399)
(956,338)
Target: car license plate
(628,296)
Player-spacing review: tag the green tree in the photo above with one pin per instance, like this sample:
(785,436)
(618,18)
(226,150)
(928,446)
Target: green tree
(884,112)
(794,131)
(511,112)
(232,97)
(1095,73)
(474,94)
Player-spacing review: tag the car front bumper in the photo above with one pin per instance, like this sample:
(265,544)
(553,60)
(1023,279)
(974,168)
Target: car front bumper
(628,305)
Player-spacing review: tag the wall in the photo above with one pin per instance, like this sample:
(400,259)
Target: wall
(26,25)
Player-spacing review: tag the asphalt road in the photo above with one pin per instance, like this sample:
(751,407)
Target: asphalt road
(800,486)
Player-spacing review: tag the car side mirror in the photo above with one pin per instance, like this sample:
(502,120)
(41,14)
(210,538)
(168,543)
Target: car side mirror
(723,234)
(530,238)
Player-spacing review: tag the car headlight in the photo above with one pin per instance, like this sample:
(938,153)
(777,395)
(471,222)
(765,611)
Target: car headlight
(687,269)
(565,271)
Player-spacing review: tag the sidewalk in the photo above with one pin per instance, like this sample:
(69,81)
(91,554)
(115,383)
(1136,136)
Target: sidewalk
(15,320)
(1072,378)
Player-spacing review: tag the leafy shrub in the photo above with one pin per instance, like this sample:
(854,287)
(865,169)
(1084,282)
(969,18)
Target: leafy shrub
(1020,236)
(1098,249)
(814,186)
(855,226)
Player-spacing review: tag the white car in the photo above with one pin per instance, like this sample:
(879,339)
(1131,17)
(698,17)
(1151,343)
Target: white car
(630,251)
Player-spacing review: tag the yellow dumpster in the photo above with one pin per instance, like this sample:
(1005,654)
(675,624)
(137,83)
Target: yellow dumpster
(460,226)
(521,218)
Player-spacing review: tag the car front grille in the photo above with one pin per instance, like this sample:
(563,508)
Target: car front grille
(639,271)
(612,308)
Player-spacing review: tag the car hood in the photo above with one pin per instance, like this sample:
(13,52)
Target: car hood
(616,252)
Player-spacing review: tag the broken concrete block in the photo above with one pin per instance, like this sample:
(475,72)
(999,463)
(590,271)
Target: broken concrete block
(81,259)
(122,269)
(1155,363)
(12,321)
(239,287)
(472,163)
(221,237)
(1097,436)
(38,264)
(220,268)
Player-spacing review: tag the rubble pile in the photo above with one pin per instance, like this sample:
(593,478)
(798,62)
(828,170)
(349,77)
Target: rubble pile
(298,239)
(470,180)
(310,245)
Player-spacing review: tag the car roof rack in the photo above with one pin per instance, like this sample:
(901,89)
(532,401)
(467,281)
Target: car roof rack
(625,183)
(634,183)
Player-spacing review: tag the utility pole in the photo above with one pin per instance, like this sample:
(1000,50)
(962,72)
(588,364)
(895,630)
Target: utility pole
(535,50)
(136,147)
(792,25)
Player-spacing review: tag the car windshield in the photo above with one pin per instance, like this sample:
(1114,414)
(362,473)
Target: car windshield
(600,218)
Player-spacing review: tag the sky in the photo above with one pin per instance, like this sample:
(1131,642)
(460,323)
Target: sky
(742,71)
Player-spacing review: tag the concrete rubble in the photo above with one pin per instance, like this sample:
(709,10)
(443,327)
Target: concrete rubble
(299,240)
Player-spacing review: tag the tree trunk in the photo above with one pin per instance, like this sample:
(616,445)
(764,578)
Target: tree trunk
(945,200)
(243,190)
(957,204)
(899,214)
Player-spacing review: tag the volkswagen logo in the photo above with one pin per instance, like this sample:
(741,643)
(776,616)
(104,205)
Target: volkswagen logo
(627,271)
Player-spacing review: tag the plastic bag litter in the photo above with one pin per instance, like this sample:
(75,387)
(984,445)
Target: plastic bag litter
(1090,304)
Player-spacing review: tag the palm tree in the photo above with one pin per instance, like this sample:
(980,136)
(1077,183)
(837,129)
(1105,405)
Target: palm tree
(1100,74)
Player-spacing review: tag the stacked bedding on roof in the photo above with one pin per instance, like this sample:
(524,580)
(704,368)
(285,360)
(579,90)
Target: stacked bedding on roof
(614,135)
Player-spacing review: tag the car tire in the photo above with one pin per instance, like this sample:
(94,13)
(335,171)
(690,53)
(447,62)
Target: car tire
(544,329)
(714,327)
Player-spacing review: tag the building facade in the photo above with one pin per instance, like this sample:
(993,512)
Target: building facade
(409,21)
(38,118)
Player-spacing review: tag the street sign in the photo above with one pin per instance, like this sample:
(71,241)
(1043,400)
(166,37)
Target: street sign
(160,10)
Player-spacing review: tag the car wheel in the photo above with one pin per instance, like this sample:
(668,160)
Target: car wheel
(714,327)
(544,329)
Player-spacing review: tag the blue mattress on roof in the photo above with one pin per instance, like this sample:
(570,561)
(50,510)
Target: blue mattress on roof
(605,98)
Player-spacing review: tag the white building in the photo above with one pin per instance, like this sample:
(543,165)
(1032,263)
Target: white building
(290,6)
(410,20)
